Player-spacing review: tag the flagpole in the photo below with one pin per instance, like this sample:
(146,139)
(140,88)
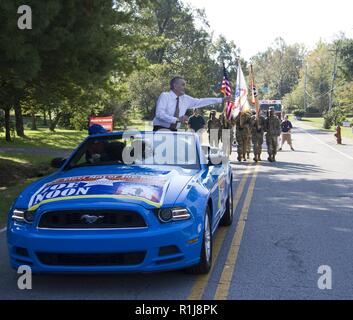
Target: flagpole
(255,99)
(239,84)
(224,94)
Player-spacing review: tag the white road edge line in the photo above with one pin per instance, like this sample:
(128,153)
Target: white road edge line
(326,144)
(3,230)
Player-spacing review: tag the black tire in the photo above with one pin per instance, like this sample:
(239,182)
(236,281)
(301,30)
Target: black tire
(228,215)
(205,264)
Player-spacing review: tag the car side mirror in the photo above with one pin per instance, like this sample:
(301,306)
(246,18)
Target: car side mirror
(214,156)
(57,163)
(216,160)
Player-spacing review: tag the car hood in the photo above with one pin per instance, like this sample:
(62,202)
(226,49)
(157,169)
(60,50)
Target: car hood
(146,186)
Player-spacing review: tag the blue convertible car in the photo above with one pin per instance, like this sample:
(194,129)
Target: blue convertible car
(124,202)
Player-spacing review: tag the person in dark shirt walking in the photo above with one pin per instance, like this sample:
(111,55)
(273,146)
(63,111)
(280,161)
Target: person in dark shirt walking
(196,121)
(213,129)
(286,127)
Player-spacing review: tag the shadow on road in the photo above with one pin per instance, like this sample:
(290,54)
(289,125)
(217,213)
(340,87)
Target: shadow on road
(124,286)
(292,167)
(316,132)
(309,195)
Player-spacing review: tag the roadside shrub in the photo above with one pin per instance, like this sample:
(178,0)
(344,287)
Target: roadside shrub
(333,117)
(328,121)
(312,110)
(65,121)
(299,113)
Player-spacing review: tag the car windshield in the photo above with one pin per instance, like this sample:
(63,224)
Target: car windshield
(150,149)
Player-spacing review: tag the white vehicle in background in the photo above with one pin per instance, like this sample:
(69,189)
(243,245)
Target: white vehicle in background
(266,104)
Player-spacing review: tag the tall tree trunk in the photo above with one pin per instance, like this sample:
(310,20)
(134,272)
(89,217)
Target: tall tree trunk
(7,125)
(51,126)
(54,122)
(34,122)
(45,122)
(19,118)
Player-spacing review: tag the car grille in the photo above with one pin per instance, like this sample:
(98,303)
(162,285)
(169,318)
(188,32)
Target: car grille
(91,219)
(92,259)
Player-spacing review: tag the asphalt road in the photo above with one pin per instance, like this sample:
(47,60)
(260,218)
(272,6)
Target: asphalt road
(292,217)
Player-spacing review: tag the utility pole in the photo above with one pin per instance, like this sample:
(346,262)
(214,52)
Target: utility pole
(305,84)
(336,51)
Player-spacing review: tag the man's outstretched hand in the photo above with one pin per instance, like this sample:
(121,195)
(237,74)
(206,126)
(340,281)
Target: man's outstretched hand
(228,99)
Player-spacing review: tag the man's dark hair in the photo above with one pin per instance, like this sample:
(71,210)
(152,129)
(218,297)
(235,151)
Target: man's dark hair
(174,80)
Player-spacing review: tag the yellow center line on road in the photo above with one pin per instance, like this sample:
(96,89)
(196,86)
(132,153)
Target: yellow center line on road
(201,281)
(229,267)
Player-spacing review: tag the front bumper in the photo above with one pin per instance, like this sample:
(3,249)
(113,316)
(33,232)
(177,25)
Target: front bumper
(27,244)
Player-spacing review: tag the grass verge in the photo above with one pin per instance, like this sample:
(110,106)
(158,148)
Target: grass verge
(8,195)
(44,138)
(318,123)
(16,172)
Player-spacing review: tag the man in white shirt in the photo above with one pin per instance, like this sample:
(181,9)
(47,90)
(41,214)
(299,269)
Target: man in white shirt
(172,106)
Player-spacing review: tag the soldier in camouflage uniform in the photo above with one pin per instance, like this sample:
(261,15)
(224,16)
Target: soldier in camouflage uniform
(226,134)
(273,129)
(258,124)
(249,137)
(242,123)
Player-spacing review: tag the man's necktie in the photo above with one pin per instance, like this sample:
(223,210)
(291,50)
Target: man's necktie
(176,115)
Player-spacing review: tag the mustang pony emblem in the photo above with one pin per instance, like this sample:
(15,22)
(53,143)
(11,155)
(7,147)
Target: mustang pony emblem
(91,219)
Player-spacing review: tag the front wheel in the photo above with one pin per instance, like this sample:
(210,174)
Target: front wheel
(205,264)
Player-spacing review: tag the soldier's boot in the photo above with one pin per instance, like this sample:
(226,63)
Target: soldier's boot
(274,158)
(270,158)
(239,157)
(255,158)
(248,155)
(259,157)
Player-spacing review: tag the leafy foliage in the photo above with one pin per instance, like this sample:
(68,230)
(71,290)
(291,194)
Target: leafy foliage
(334,117)
(278,69)
(99,57)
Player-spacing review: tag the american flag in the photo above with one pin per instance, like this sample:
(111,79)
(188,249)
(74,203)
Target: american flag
(226,89)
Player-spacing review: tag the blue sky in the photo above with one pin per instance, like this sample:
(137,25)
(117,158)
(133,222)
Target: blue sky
(254,25)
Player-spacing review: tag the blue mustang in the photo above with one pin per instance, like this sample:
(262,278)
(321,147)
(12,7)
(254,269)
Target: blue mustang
(134,201)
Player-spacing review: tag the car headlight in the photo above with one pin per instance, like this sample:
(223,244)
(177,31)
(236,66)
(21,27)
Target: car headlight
(22,215)
(173,214)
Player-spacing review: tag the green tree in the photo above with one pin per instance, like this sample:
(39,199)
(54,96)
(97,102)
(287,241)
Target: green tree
(346,57)
(278,68)
(74,48)
(319,79)
(181,45)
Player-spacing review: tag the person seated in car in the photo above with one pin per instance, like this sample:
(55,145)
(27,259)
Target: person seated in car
(141,152)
